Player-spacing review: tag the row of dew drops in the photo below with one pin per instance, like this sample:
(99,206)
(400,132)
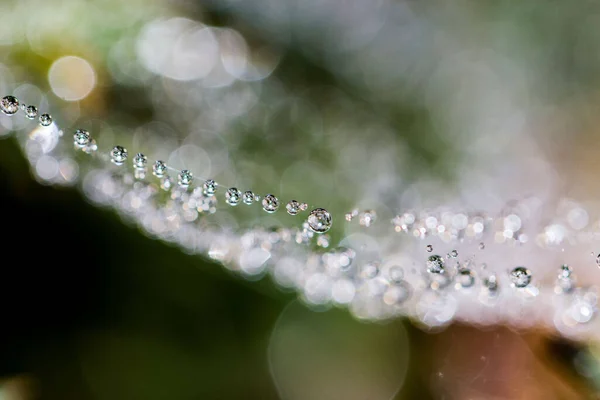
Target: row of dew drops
(319,220)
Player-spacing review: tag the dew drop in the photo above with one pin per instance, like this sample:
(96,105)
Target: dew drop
(45,120)
(140,161)
(429,248)
(565,271)
(31,112)
(435,265)
(598,260)
(210,187)
(159,168)
(248,197)
(81,138)
(185,178)
(9,105)
(465,278)
(118,155)
(293,207)
(481,246)
(319,220)
(270,203)
(520,277)
(454,254)
(233,196)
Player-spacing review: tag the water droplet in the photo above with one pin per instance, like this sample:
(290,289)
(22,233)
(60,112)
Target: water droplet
(118,155)
(248,197)
(140,161)
(81,138)
(31,112)
(369,270)
(520,277)
(454,254)
(367,218)
(210,187)
(159,169)
(45,120)
(435,265)
(9,105)
(396,274)
(185,178)
(598,260)
(429,248)
(294,207)
(319,220)
(481,246)
(270,203)
(233,196)
(465,278)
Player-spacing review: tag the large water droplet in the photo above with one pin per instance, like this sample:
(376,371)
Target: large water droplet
(294,207)
(233,196)
(9,105)
(140,161)
(319,220)
(31,112)
(520,277)
(185,178)
(45,120)
(270,203)
(248,197)
(210,187)
(118,155)
(435,264)
(81,138)
(159,168)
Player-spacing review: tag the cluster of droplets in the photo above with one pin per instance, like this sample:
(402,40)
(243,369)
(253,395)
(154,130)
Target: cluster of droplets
(429,288)
(10,105)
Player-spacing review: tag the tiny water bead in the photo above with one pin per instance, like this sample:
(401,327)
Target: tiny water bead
(481,246)
(159,168)
(45,120)
(9,105)
(435,264)
(294,207)
(210,187)
(319,220)
(31,112)
(118,155)
(248,197)
(598,260)
(140,161)
(429,248)
(233,196)
(520,277)
(270,203)
(185,178)
(81,137)
(465,278)
(454,254)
